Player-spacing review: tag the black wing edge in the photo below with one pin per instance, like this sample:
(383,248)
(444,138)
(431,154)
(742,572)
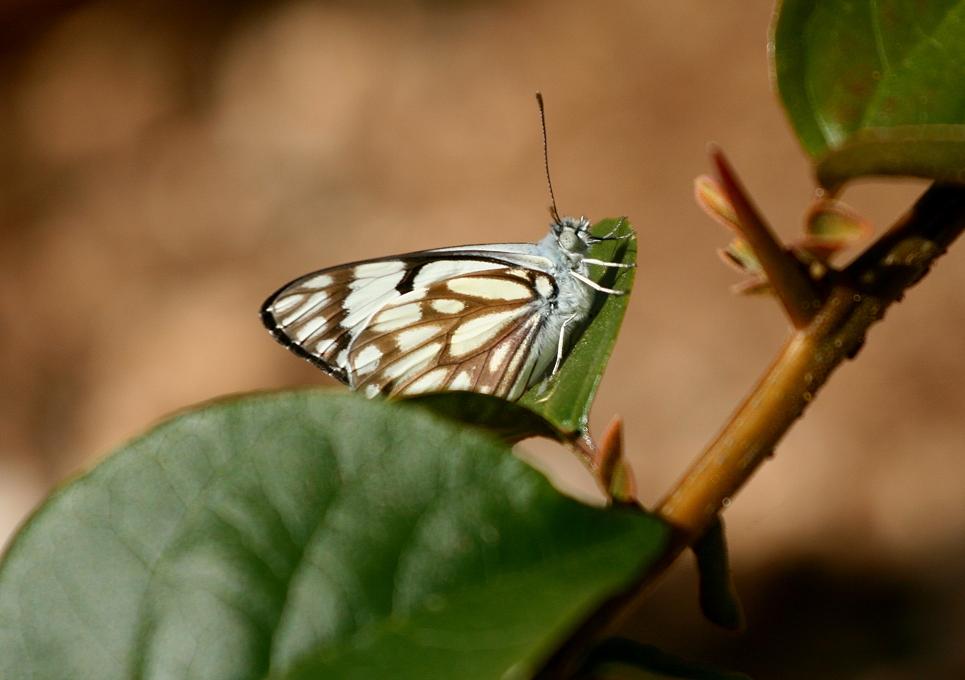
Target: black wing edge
(268,320)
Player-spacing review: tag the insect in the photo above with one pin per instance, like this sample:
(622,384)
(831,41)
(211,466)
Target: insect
(495,318)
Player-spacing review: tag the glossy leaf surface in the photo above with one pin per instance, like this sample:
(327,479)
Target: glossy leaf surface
(308,534)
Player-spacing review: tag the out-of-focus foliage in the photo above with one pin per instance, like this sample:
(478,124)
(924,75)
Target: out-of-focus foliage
(874,88)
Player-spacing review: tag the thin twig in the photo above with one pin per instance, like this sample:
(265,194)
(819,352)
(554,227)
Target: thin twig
(786,274)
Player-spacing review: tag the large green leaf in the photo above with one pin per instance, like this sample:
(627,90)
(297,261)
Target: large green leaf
(308,534)
(874,87)
(566,399)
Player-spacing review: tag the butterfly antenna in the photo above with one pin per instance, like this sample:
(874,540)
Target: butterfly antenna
(546,158)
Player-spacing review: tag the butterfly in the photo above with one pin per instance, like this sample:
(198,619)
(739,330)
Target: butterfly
(494,318)
(484,318)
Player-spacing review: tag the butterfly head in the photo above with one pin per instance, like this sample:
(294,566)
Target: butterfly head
(573,234)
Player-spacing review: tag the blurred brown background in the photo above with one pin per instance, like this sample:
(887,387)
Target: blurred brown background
(165,166)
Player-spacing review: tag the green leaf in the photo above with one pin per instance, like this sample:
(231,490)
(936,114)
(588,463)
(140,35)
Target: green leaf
(565,401)
(874,87)
(308,534)
(831,226)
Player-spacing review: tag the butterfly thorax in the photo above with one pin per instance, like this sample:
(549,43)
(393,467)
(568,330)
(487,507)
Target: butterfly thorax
(566,246)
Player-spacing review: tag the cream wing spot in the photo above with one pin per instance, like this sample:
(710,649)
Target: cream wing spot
(368,295)
(394,318)
(447,306)
(367,359)
(285,302)
(322,345)
(411,338)
(307,329)
(544,286)
(462,381)
(320,281)
(413,361)
(489,288)
(433,380)
(433,272)
(372,390)
(497,357)
(416,294)
(313,301)
(474,333)
(370,270)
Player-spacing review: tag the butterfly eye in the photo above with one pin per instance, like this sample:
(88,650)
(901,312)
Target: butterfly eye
(568,239)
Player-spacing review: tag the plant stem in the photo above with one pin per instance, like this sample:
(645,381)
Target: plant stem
(781,396)
(858,298)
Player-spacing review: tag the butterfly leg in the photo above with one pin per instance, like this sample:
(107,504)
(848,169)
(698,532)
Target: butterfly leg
(610,236)
(559,344)
(604,263)
(595,286)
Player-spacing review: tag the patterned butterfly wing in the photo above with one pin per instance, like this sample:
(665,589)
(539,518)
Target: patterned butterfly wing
(438,320)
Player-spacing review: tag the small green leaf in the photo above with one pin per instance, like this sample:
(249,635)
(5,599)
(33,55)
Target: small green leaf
(565,400)
(834,225)
(874,88)
(309,534)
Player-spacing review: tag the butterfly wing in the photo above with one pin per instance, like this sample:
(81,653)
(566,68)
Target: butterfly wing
(469,318)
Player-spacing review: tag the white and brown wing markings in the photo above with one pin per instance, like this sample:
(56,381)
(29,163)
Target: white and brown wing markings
(312,316)
(333,317)
(466,332)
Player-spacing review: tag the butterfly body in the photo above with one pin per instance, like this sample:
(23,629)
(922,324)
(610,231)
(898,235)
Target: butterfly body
(486,318)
